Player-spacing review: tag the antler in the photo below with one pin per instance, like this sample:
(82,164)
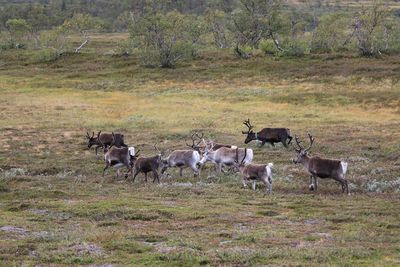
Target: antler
(198,136)
(156,148)
(296,138)
(245,154)
(137,153)
(87,135)
(193,145)
(301,147)
(113,141)
(248,125)
(193,140)
(311,141)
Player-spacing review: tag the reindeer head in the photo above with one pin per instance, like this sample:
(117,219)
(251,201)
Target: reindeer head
(196,143)
(250,134)
(240,164)
(91,139)
(208,151)
(302,153)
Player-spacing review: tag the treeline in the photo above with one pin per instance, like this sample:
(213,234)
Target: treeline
(164,32)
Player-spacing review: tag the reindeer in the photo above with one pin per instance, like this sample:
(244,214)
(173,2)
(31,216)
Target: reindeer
(320,167)
(181,159)
(105,139)
(118,157)
(201,148)
(267,135)
(255,172)
(148,164)
(226,156)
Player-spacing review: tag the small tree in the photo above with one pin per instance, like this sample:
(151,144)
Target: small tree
(162,39)
(82,24)
(218,24)
(256,20)
(18,30)
(330,33)
(367,26)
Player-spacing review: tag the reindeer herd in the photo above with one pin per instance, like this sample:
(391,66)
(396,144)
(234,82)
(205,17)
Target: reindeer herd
(118,155)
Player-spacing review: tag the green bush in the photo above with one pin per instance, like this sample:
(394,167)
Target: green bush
(331,33)
(268,47)
(296,48)
(45,55)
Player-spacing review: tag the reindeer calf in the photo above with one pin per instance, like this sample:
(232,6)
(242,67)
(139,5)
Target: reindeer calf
(146,165)
(255,172)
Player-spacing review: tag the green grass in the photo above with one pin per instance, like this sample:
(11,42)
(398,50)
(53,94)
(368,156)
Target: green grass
(51,185)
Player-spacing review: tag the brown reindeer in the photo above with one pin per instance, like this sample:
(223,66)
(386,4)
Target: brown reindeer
(255,172)
(148,164)
(105,139)
(118,157)
(267,135)
(320,167)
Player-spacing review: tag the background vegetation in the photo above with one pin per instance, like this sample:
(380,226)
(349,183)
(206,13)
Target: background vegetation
(55,209)
(164,32)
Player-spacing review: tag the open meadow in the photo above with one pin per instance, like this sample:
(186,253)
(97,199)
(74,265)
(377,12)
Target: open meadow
(55,208)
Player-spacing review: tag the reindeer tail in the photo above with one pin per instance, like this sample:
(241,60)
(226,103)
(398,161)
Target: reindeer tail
(344,166)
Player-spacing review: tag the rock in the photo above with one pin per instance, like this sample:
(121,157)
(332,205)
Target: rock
(85,248)
(358,159)
(378,171)
(14,229)
(14,172)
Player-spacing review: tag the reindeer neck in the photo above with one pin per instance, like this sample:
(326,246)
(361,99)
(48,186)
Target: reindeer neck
(242,168)
(306,161)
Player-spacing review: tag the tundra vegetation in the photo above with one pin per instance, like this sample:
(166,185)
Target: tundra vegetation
(55,208)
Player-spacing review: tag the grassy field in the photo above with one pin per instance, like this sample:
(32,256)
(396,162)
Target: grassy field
(56,210)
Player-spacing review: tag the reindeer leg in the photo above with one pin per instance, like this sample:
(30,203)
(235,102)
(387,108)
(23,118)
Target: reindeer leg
(244,181)
(97,147)
(145,176)
(126,174)
(290,139)
(268,185)
(311,180)
(345,183)
(284,143)
(180,172)
(195,170)
(156,176)
(105,168)
(315,183)
(254,185)
(134,176)
(342,182)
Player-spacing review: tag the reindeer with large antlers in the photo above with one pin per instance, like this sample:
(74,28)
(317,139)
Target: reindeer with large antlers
(320,167)
(267,135)
(255,172)
(105,139)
